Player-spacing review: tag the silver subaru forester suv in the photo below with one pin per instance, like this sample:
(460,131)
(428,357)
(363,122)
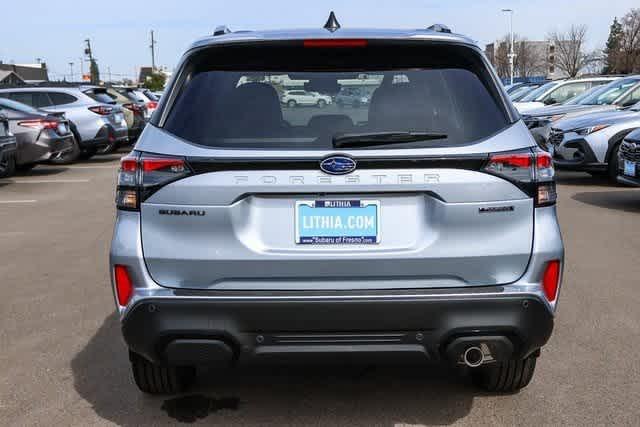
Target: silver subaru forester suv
(420,227)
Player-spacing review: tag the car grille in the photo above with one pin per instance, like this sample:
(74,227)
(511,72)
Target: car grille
(556,136)
(630,151)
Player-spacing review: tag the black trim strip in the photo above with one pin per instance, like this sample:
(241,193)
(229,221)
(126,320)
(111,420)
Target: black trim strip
(204,165)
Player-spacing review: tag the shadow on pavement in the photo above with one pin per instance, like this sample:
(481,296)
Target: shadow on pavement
(40,171)
(625,200)
(271,395)
(581,178)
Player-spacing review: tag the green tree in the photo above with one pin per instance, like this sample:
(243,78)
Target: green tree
(95,72)
(612,49)
(155,81)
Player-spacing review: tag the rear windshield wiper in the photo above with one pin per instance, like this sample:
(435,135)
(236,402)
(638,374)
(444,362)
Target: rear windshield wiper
(345,140)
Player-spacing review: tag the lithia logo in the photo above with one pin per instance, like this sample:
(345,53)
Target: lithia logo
(176,212)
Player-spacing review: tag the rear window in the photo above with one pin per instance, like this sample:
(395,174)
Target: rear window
(249,98)
(101,96)
(17,106)
(59,98)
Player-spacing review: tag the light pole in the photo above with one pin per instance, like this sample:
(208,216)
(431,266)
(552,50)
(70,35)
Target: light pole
(512,55)
(71,67)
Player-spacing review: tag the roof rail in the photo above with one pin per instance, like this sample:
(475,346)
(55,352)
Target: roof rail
(440,28)
(221,30)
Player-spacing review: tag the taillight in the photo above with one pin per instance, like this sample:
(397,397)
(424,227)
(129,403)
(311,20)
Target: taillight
(133,107)
(152,105)
(124,285)
(551,280)
(101,110)
(531,170)
(142,174)
(39,124)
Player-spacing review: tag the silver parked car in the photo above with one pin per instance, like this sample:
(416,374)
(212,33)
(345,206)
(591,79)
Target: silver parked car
(421,226)
(619,94)
(591,142)
(558,92)
(93,124)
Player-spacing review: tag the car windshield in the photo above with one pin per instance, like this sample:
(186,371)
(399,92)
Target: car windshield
(18,106)
(521,92)
(534,95)
(307,109)
(580,99)
(610,92)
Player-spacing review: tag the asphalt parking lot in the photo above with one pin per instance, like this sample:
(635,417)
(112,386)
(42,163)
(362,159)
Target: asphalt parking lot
(62,361)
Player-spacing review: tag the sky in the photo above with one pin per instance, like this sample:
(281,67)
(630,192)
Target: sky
(119,30)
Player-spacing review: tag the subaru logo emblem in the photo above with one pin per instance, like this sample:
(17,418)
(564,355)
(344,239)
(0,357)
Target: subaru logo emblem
(338,165)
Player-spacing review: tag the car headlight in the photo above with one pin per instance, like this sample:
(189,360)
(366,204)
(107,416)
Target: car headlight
(590,129)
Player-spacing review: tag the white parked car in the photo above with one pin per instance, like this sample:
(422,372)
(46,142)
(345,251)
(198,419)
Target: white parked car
(558,92)
(292,98)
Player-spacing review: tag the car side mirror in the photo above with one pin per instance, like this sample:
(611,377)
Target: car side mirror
(629,103)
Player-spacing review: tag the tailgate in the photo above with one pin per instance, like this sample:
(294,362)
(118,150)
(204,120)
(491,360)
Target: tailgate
(231,230)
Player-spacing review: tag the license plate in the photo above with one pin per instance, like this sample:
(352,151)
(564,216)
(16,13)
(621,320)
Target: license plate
(629,168)
(337,222)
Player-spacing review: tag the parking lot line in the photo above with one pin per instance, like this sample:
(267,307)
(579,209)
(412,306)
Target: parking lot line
(42,181)
(17,201)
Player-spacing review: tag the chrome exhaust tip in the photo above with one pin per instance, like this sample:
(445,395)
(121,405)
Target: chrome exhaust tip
(473,357)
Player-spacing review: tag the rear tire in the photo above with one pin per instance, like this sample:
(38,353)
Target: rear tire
(26,167)
(505,377)
(7,166)
(159,379)
(322,103)
(88,153)
(291,103)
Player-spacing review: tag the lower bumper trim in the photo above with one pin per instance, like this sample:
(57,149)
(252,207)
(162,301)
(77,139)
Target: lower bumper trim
(259,330)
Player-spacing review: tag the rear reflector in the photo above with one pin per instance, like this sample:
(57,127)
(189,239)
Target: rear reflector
(124,286)
(331,43)
(550,280)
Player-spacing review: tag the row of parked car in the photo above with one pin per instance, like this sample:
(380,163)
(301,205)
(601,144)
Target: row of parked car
(60,124)
(587,124)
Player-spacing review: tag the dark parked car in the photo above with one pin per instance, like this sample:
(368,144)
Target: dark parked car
(629,160)
(7,148)
(40,135)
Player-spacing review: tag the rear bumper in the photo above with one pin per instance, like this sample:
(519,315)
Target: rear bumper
(105,136)
(184,326)
(339,327)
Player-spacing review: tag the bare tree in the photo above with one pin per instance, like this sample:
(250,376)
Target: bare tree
(628,58)
(569,49)
(530,58)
